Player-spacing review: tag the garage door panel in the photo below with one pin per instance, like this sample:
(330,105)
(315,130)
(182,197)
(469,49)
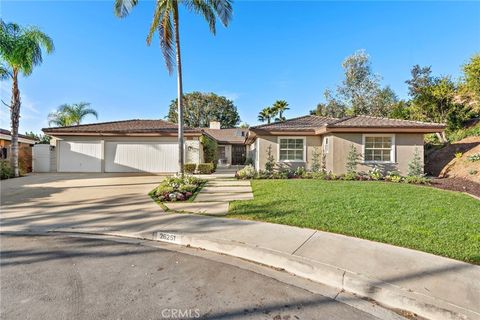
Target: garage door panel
(141,156)
(80,156)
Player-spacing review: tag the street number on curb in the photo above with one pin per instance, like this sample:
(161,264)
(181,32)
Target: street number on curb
(166,236)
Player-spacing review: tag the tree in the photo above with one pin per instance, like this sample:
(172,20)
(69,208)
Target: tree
(41,138)
(280,106)
(360,93)
(352,160)
(201,108)
(267,114)
(166,23)
(71,114)
(469,91)
(434,99)
(21,49)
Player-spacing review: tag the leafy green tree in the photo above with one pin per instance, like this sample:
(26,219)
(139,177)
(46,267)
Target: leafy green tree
(166,23)
(270,163)
(352,160)
(469,91)
(201,108)
(71,114)
(316,161)
(360,93)
(41,138)
(415,166)
(21,50)
(400,110)
(434,99)
(267,114)
(280,106)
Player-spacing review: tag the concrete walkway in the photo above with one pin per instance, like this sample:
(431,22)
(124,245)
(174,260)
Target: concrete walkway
(215,196)
(430,286)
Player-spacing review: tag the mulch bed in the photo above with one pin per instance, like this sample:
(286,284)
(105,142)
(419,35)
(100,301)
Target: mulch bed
(457,184)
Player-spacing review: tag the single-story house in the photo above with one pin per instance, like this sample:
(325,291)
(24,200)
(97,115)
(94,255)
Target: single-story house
(231,144)
(388,144)
(25,144)
(137,146)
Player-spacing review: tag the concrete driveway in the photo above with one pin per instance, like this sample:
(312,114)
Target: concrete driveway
(97,201)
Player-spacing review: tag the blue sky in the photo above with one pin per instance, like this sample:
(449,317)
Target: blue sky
(272,50)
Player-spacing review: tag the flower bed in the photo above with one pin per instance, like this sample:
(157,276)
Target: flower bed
(177,188)
(375,174)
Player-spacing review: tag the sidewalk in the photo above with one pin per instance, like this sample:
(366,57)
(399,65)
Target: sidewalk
(431,286)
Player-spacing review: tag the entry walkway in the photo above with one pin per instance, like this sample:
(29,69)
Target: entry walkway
(215,196)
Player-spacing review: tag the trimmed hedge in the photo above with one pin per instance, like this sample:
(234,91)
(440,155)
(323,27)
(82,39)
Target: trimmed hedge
(189,167)
(205,168)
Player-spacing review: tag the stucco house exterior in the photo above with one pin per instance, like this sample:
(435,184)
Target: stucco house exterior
(388,144)
(137,146)
(232,150)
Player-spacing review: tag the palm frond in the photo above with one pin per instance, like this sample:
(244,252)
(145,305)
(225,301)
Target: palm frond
(204,8)
(223,9)
(167,43)
(42,39)
(122,8)
(5,72)
(159,9)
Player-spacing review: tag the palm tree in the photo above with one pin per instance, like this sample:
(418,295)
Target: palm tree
(71,114)
(267,114)
(166,23)
(280,106)
(20,51)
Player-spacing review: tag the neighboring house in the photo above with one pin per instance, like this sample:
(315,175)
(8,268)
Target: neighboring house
(123,146)
(231,144)
(388,144)
(25,144)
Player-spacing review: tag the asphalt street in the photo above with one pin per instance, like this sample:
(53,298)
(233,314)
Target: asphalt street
(72,277)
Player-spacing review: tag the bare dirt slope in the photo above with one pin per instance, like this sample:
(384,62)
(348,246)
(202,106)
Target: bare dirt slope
(443,163)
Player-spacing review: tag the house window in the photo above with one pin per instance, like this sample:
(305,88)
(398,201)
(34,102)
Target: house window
(291,149)
(379,148)
(326,142)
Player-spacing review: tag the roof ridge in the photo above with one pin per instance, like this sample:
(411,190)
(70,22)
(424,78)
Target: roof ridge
(291,119)
(404,120)
(105,122)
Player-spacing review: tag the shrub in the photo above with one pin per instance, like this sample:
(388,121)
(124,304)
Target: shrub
(210,150)
(6,170)
(270,164)
(463,133)
(352,159)
(417,180)
(458,155)
(189,167)
(246,173)
(375,174)
(393,176)
(472,172)
(205,168)
(177,188)
(350,175)
(415,167)
(299,172)
(316,165)
(474,157)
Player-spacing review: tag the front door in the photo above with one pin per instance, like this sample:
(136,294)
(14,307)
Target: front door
(238,154)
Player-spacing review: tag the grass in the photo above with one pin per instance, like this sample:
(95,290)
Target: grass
(423,218)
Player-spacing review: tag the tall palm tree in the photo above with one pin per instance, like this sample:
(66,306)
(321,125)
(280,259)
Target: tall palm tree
(71,114)
(280,106)
(166,23)
(20,51)
(266,115)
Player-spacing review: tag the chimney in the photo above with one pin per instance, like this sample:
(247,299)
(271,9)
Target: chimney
(214,125)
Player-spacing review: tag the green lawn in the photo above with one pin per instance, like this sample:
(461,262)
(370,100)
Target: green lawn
(423,218)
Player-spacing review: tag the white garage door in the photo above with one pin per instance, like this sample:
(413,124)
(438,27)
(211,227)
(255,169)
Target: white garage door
(80,156)
(141,156)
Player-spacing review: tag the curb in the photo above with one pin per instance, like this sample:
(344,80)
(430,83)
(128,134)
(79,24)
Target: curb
(384,293)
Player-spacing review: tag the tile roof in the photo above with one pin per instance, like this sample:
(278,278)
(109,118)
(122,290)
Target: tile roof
(312,122)
(7,133)
(124,126)
(304,123)
(233,135)
(378,122)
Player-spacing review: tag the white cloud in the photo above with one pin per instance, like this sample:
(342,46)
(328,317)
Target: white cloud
(230,95)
